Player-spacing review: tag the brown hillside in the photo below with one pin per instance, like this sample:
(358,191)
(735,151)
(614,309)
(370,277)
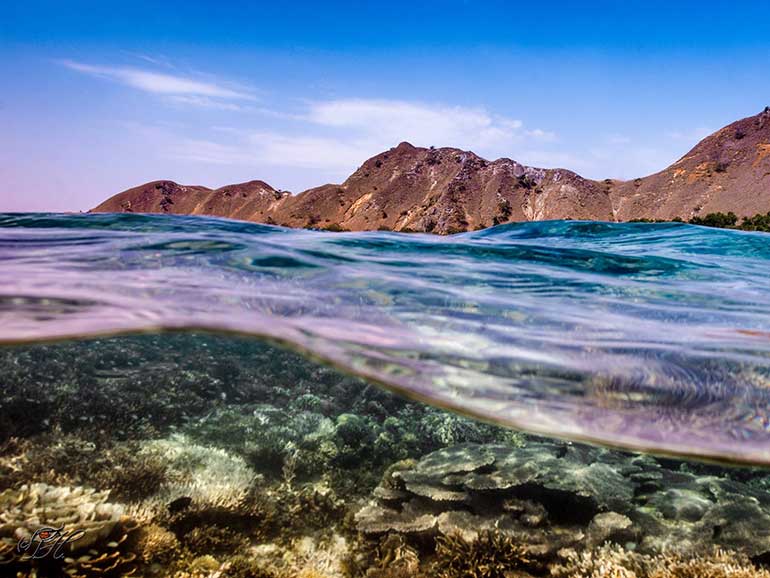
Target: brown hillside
(448,190)
(444,191)
(247,201)
(727,171)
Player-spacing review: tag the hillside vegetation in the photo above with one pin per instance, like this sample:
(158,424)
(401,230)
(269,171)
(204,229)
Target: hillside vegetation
(759,222)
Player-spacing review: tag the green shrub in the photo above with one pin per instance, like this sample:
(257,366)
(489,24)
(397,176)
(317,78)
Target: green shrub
(758,222)
(719,220)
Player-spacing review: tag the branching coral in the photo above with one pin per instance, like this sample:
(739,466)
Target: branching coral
(318,558)
(490,555)
(128,473)
(394,558)
(615,562)
(214,539)
(304,557)
(217,530)
(248,567)
(608,561)
(156,545)
(203,567)
(310,507)
(211,477)
(719,564)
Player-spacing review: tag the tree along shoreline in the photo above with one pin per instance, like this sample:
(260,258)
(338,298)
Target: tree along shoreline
(758,222)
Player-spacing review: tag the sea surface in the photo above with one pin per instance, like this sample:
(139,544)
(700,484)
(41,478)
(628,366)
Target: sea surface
(186,397)
(653,337)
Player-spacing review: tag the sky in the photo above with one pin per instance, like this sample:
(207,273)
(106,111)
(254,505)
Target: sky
(97,97)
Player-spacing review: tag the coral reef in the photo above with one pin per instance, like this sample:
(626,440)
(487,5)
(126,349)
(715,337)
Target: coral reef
(209,477)
(687,512)
(607,561)
(156,545)
(721,564)
(103,545)
(25,510)
(203,567)
(61,459)
(547,492)
(615,562)
(243,460)
(394,558)
(262,403)
(141,386)
(489,555)
(244,566)
(216,530)
(311,438)
(322,559)
(552,495)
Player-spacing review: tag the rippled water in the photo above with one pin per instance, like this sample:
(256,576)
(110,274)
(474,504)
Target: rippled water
(645,336)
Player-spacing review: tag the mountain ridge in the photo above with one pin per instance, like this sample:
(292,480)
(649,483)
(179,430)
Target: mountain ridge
(448,190)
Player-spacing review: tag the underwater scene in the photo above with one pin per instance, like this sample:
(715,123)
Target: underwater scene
(196,397)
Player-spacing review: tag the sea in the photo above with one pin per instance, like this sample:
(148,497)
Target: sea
(201,397)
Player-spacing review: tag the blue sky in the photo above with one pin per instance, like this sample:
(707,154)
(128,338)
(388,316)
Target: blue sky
(100,96)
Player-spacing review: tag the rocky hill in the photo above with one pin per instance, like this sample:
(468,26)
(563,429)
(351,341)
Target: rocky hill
(447,190)
(246,201)
(727,171)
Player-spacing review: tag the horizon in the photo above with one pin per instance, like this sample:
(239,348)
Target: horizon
(100,99)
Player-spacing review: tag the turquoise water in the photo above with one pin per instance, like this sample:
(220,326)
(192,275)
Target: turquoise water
(644,336)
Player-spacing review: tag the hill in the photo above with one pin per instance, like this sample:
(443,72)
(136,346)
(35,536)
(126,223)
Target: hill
(448,190)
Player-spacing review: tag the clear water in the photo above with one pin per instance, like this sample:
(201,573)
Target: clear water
(646,336)
(208,398)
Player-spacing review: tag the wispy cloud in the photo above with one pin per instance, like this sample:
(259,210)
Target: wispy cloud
(274,149)
(329,139)
(196,91)
(618,139)
(203,102)
(337,135)
(424,124)
(692,135)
